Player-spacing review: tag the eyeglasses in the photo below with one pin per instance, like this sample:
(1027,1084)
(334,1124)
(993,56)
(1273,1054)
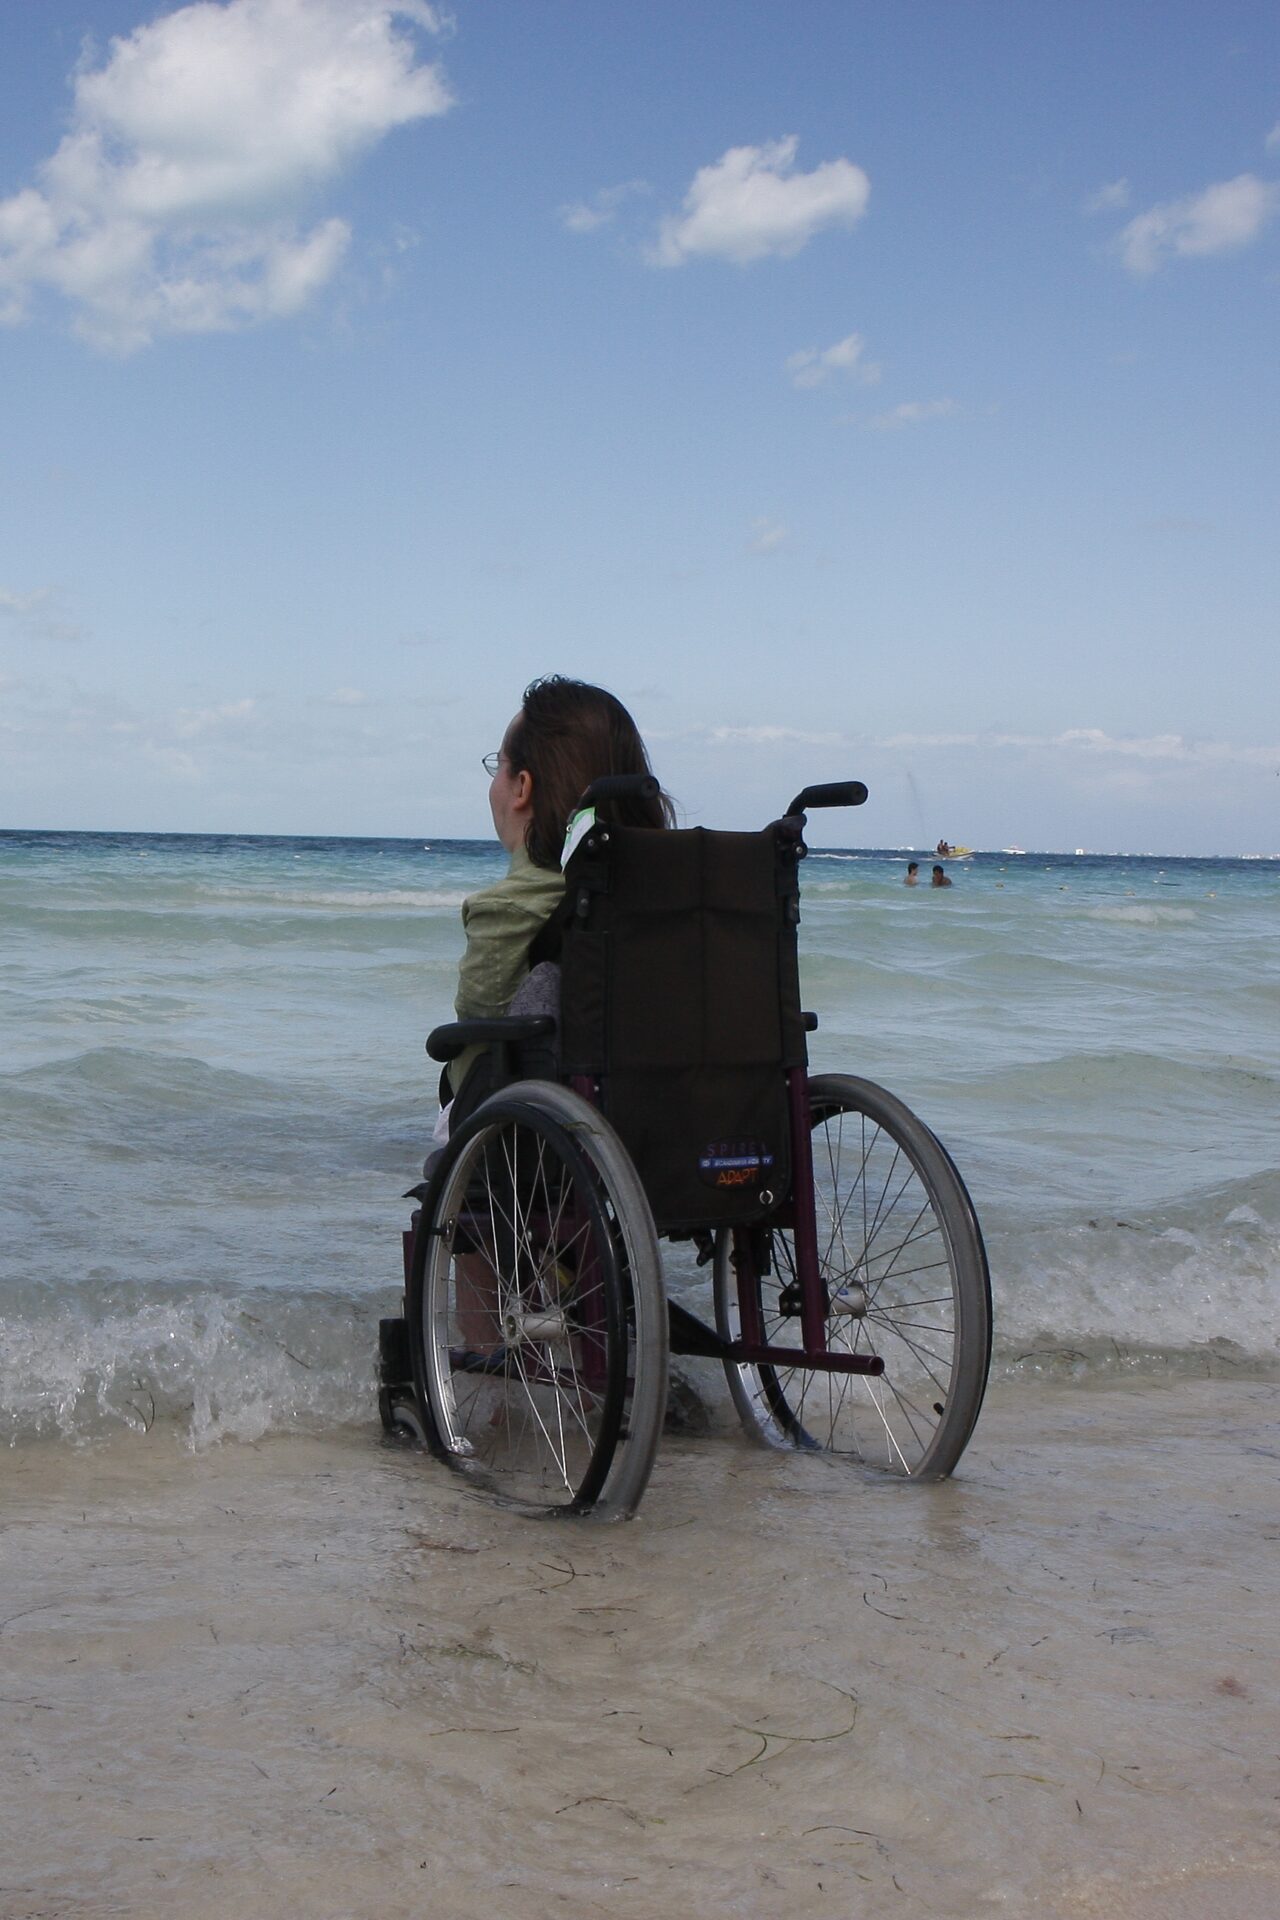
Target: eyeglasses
(491,763)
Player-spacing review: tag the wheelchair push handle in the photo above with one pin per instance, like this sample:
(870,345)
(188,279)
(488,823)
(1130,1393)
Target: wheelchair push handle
(619,786)
(836,793)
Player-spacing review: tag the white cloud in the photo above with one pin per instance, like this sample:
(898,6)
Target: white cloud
(1272,141)
(584,216)
(909,413)
(1164,746)
(35,615)
(1158,746)
(21,604)
(347,697)
(812,366)
(1227,215)
(191,723)
(750,203)
(1109,199)
(172,204)
(765,736)
(909,742)
(767,535)
(173,762)
(1171,748)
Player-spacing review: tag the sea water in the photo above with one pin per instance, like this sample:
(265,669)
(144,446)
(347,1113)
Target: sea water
(213,1093)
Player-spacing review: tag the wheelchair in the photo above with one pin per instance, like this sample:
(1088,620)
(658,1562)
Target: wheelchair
(670,1099)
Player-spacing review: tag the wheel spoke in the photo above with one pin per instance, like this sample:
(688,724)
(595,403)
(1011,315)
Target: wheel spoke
(898,1252)
(532,1248)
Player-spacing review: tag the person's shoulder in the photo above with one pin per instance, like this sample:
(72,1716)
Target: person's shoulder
(524,887)
(528,880)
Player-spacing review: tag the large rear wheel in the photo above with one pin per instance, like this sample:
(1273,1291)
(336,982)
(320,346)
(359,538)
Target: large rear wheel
(905,1275)
(537,1321)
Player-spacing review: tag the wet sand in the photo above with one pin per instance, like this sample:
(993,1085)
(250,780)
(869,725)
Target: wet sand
(315,1676)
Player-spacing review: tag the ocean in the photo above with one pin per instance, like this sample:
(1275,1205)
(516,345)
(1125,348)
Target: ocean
(273,1664)
(213,1093)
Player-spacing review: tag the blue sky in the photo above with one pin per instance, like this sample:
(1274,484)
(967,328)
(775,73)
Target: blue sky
(857,389)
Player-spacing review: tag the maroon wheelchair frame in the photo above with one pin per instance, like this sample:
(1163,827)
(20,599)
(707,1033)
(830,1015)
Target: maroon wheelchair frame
(690,1335)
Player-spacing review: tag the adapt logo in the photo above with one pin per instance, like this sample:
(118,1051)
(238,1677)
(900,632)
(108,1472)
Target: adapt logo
(734,1163)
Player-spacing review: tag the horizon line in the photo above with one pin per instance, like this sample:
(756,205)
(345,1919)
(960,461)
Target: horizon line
(468,840)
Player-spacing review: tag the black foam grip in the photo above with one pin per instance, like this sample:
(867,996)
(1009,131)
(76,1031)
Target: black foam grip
(836,793)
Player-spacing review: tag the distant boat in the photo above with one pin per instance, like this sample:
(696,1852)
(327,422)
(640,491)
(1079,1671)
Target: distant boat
(1013,849)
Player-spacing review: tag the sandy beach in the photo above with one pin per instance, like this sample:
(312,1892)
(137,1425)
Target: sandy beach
(314,1675)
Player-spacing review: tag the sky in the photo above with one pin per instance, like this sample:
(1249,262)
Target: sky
(857,389)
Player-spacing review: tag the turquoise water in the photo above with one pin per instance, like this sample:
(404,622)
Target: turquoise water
(213,1092)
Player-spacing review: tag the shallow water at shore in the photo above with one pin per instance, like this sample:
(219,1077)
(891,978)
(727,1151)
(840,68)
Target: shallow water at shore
(213,1094)
(313,1674)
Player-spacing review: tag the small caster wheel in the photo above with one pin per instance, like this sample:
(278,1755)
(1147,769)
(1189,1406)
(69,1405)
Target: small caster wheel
(401,1420)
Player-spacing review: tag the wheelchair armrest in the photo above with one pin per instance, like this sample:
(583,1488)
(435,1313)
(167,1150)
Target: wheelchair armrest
(446,1043)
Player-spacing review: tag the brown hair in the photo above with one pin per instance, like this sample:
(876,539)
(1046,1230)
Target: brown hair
(566,735)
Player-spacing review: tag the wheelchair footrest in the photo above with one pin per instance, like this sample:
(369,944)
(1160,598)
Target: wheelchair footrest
(798,1360)
(689,1335)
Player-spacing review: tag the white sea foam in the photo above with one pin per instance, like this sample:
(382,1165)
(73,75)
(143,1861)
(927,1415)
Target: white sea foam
(217,1368)
(1199,1290)
(1145,916)
(346,900)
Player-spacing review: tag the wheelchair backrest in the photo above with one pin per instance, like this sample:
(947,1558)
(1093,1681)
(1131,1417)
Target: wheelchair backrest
(680,998)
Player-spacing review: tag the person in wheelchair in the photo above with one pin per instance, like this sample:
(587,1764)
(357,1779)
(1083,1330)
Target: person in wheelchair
(566,735)
(851,1300)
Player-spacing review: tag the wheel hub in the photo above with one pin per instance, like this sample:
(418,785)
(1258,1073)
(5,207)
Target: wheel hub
(547,1326)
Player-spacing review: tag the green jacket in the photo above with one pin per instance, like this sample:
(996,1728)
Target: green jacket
(499,923)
